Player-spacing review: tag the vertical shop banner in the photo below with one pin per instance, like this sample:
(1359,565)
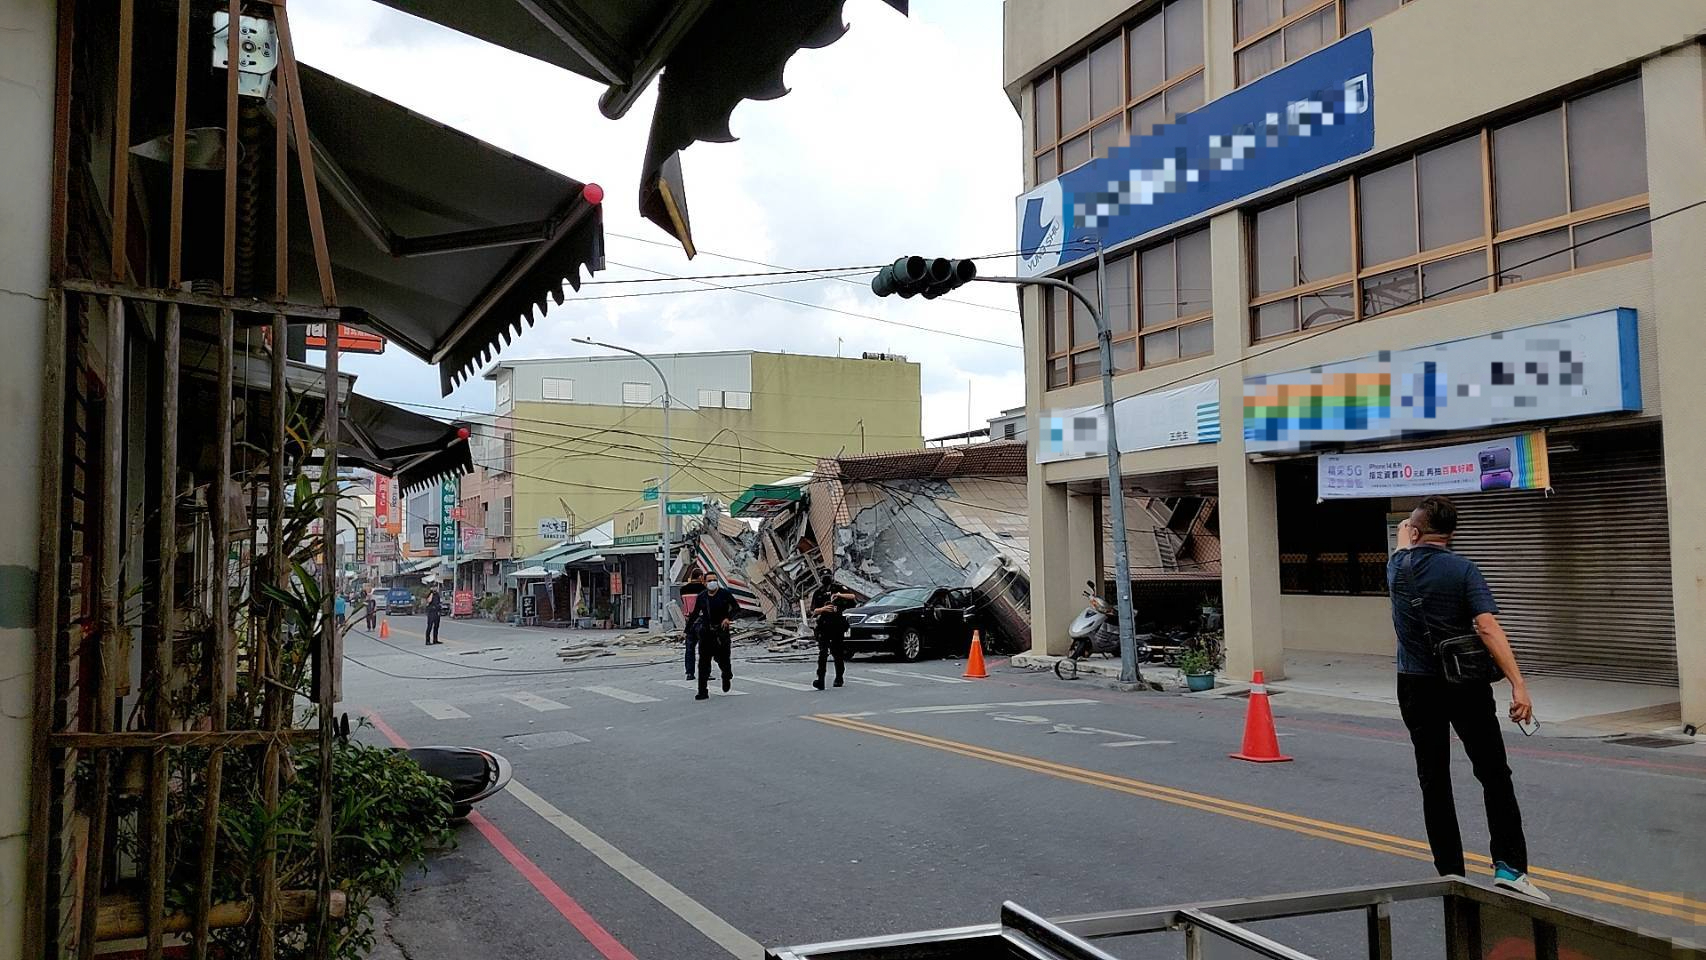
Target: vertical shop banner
(1508,463)
(382,502)
(360,544)
(1148,421)
(447,492)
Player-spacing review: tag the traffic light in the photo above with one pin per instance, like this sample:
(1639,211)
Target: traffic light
(911,276)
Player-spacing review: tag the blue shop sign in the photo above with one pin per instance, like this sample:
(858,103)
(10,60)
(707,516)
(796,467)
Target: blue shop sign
(1311,114)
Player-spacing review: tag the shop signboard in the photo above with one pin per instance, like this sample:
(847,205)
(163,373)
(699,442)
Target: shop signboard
(350,340)
(382,502)
(529,606)
(616,581)
(429,537)
(1507,463)
(553,528)
(1306,116)
(473,539)
(360,544)
(447,510)
(1581,366)
(1148,421)
(462,603)
(634,540)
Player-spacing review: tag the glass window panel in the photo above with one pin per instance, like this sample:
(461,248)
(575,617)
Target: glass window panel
(1324,233)
(1388,291)
(1083,327)
(1459,276)
(1075,96)
(1253,15)
(1118,312)
(1057,321)
(1043,93)
(1274,319)
(1057,373)
(1086,366)
(1514,257)
(1328,306)
(1360,13)
(1259,59)
(1107,135)
(1125,356)
(1160,347)
(1046,169)
(1107,86)
(1184,96)
(1635,239)
(1449,181)
(1160,300)
(1184,36)
(1608,146)
(1074,152)
(1145,116)
(1194,273)
(1298,6)
(1196,339)
(1386,204)
(1311,33)
(1274,237)
(1148,55)
(1528,170)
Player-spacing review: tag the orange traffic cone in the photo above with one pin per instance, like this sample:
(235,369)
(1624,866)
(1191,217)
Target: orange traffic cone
(1261,744)
(385,628)
(974,660)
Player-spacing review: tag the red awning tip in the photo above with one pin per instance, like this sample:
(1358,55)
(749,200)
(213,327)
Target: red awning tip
(593,193)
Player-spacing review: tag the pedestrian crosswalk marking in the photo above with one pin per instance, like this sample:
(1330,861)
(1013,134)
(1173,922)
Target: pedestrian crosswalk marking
(869,682)
(786,684)
(919,676)
(617,693)
(536,702)
(693,685)
(439,710)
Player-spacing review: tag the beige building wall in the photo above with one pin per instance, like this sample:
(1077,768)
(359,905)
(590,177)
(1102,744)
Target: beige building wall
(1440,67)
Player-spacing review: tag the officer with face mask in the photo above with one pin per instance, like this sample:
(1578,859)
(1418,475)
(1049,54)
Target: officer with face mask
(712,615)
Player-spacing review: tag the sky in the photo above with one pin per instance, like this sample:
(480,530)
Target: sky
(896,139)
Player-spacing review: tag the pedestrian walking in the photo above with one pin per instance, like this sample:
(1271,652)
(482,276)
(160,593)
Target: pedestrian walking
(432,615)
(1451,650)
(340,607)
(372,608)
(830,628)
(691,592)
(713,614)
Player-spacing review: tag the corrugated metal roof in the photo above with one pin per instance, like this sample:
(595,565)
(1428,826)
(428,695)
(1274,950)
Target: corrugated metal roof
(1001,458)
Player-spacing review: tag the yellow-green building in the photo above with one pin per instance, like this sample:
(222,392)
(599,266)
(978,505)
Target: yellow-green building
(582,438)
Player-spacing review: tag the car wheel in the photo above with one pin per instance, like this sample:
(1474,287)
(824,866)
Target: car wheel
(911,646)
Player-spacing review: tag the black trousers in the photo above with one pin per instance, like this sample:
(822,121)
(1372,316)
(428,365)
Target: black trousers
(828,647)
(1432,708)
(432,630)
(372,616)
(713,645)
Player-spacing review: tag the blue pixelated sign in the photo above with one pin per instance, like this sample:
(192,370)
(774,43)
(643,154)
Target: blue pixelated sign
(1311,114)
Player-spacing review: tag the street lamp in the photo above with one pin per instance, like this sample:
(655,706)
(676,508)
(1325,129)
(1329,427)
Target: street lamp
(663,481)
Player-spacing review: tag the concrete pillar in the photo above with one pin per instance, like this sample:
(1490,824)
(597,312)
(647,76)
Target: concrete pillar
(27,41)
(1052,595)
(1084,539)
(1674,90)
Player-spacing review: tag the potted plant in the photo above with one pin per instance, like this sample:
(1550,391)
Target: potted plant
(1202,657)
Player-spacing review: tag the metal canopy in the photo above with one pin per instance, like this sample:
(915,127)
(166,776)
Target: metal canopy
(449,243)
(711,54)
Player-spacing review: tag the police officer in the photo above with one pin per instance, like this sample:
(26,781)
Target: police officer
(712,615)
(831,630)
(432,616)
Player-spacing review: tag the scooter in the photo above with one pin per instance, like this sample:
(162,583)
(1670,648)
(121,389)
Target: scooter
(1096,630)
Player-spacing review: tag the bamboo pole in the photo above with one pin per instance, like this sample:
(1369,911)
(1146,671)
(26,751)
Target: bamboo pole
(266,878)
(121,918)
(157,642)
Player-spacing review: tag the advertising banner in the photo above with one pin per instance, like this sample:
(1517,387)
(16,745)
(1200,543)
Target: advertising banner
(615,581)
(473,539)
(350,340)
(429,537)
(1311,114)
(382,502)
(1508,463)
(553,528)
(447,509)
(1577,367)
(360,544)
(1172,418)
(462,603)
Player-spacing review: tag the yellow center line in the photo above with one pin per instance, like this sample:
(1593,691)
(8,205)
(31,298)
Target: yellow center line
(1664,904)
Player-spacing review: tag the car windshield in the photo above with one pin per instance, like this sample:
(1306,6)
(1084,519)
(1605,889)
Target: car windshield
(902,598)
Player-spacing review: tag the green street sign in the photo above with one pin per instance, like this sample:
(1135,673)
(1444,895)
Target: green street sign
(634,540)
(651,493)
(684,508)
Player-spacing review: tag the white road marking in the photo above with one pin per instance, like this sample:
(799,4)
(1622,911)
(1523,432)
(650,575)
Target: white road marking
(919,676)
(439,710)
(867,681)
(715,928)
(975,707)
(537,702)
(1137,743)
(785,684)
(617,693)
(693,685)
(546,740)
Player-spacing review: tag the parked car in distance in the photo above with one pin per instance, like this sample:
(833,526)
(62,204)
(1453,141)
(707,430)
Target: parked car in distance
(399,601)
(912,622)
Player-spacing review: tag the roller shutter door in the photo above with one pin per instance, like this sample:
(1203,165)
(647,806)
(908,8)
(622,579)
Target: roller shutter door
(1582,577)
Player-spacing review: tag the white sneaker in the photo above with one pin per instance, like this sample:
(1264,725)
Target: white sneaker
(1506,878)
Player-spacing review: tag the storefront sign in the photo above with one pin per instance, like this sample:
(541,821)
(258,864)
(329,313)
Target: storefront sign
(634,540)
(360,544)
(473,539)
(382,502)
(1567,368)
(616,581)
(1314,113)
(350,340)
(447,510)
(429,537)
(1509,463)
(1172,418)
(462,603)
(529,606)
(553,528)
(382,547)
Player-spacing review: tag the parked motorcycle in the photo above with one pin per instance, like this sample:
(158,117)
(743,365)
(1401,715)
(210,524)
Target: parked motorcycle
(1095,631)
(473,774)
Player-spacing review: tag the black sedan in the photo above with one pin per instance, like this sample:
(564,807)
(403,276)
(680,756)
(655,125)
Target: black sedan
(912,622)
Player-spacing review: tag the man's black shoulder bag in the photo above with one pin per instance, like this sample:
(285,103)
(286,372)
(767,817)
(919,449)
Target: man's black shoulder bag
(1463,658)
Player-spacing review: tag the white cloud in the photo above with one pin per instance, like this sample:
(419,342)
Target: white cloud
(896,139)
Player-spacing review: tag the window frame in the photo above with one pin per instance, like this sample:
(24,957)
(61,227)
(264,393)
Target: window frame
(1241,42)
(636,383)
(1129,98)
(710,399)
(545,391)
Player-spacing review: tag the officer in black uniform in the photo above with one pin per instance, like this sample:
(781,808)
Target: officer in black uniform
(712,615)
(831,630)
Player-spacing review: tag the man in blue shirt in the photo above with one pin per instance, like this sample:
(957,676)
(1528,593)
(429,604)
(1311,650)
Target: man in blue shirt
(1455,601)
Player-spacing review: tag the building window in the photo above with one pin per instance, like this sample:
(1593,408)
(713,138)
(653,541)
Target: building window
(1273,33)
(1547,194)
(636,394)
(1147,73)
(1328,547)
(503,391)
(508,516)
(557,388)
(737,399)
(1009,430)
(509,453)
(710,398)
